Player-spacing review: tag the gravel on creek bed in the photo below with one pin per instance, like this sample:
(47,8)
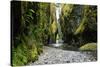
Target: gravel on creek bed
(57,56)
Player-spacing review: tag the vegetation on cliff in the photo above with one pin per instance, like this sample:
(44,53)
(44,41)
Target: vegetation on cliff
(34,25)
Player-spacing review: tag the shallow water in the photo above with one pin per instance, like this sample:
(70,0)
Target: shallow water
(64,46)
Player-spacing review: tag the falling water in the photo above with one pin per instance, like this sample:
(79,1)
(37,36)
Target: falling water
(58,12)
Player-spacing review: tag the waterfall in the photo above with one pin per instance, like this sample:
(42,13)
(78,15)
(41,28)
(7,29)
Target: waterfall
(59,34)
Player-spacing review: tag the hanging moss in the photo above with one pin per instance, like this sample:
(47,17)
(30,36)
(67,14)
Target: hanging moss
(35,26)
(81,27)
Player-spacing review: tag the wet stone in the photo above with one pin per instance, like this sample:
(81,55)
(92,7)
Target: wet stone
(56,56)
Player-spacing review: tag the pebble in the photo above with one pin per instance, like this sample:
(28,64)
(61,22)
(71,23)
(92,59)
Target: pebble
(55,56)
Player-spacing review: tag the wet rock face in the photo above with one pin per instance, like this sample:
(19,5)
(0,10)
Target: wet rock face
(80,25)
(70,24)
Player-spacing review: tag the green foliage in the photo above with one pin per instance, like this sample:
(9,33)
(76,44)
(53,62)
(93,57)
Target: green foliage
(32,34)
(40,47)
(53,27)
(89,47)
(38,25)
(26,53)
(67,9)
(19,56)
(79,22)
(33,54)
(87,22)
(81,27)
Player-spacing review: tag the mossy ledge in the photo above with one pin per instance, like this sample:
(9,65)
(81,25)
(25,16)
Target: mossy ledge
(89,47)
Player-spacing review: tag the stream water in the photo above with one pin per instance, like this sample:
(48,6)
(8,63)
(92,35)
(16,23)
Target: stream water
(59,37)
(59,40)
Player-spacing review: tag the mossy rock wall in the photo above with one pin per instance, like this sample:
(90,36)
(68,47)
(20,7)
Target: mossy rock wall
(79,24)
(30,30)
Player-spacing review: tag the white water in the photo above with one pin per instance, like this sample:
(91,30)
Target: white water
(58,12)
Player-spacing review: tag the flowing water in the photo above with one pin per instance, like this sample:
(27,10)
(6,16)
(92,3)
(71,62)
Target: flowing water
(59,40)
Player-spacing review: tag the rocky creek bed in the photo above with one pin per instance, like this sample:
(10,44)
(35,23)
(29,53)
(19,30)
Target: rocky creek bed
(52,55)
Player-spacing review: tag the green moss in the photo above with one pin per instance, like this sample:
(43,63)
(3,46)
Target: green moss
(89,46)
(67,9)
(53,27)
(81,27)
(32,32)
(40,47)
(33,54)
